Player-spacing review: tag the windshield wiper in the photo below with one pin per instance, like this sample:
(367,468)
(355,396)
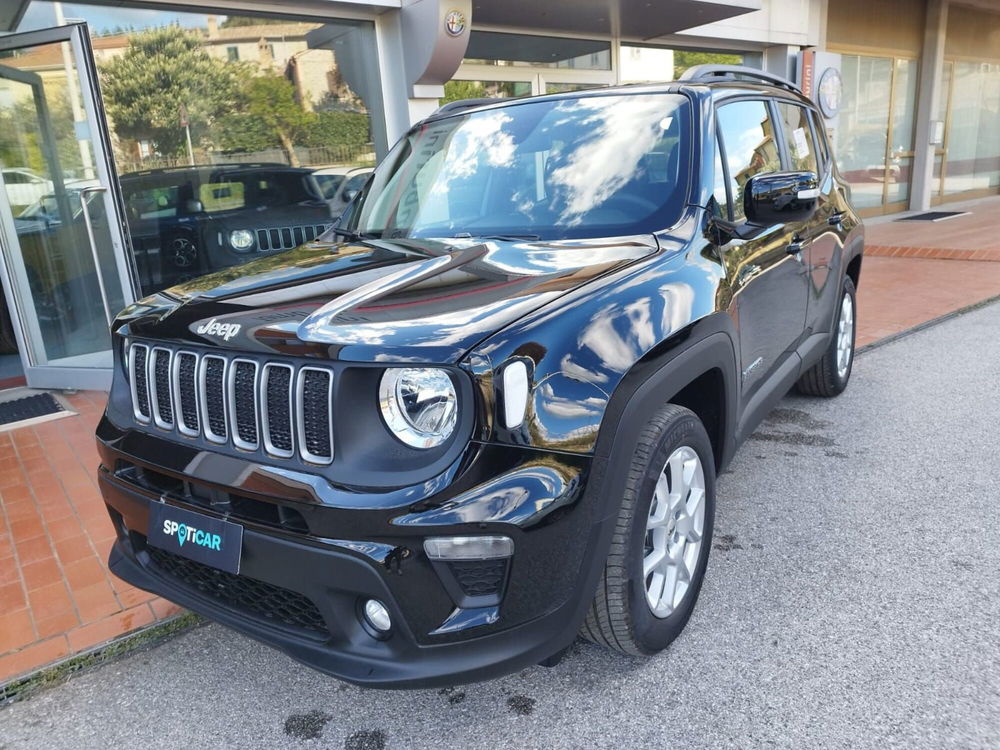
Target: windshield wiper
(354,236)
(501,237)
(347,233)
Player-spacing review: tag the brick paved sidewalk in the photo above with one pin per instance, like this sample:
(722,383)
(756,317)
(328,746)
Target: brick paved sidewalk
(58,599)
(975,236)
(56,595)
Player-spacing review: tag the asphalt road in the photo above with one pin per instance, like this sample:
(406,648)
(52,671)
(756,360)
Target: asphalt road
(852,600)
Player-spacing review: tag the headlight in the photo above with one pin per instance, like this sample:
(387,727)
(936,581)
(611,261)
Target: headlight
(419,405)
(241,239)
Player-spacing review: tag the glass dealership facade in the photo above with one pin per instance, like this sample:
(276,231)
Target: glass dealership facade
(235,132)
(881,61)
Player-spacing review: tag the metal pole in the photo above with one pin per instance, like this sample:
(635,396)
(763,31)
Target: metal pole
(187,129)
(86,159)
(93,248)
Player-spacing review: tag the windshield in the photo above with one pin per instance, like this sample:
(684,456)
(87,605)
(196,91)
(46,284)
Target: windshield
(596,166)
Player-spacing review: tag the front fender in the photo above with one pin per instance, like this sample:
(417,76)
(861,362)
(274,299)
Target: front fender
(582,348)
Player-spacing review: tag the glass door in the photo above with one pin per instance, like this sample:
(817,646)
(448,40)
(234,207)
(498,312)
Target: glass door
(876,130)
(64,266)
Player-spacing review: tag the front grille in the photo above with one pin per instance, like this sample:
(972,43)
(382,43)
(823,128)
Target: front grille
(185,387)
(213,393)
(243,402)
(138,361)
(163,407)
(273,604)
(315,436)
(285,238)
(274,406)
(277,417)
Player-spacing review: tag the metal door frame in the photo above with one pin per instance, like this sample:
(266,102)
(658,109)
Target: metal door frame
(15,284)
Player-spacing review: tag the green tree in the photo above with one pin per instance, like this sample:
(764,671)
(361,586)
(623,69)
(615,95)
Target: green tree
(338,129)
(160,71)
(275,118)
(456,90)
(233,22)
(684,59)
(22,147)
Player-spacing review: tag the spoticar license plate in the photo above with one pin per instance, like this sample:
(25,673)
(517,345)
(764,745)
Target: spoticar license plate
(211,541)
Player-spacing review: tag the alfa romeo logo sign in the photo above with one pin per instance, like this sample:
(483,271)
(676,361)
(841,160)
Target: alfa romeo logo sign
(454,22)
(830,92)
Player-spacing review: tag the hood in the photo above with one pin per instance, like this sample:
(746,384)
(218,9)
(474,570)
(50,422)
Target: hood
(421,301)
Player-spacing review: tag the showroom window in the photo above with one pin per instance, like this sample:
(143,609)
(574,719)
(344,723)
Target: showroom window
(500,66)
(215,118)
(642,63)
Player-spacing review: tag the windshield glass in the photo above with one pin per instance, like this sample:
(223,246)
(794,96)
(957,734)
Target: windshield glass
(596,166)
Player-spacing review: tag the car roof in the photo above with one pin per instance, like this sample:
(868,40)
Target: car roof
(340,170)
(214,169)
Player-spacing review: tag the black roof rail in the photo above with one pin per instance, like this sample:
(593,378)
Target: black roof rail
(218,165)
(709,72)
(459,104)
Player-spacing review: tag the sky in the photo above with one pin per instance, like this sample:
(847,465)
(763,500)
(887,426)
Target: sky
(40,15)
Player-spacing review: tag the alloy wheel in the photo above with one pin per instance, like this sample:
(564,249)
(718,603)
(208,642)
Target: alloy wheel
(183,252)
(845,336)
(674,531)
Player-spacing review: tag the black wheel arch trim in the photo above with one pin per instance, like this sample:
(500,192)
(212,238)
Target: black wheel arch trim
(655,380)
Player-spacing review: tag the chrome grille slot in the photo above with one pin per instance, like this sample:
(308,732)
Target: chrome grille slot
(276,410)
(313,403)
(159,388)
(242,392)
(213,397)
(184,380)
(138,360)
(285,238)
(282,409)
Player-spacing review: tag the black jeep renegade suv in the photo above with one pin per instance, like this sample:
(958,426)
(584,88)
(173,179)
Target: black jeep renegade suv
(486,412)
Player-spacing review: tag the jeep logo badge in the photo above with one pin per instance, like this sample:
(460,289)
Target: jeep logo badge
(214,328)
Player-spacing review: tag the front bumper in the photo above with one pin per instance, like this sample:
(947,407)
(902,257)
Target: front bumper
(300,589)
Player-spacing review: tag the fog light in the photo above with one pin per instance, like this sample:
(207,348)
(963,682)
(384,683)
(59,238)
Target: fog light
(468,547)
(377,615)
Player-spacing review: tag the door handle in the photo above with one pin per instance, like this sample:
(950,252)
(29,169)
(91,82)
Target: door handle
(796,245)
(89,224)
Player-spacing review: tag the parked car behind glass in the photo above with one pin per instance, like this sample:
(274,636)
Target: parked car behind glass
(189,221)
(341,185)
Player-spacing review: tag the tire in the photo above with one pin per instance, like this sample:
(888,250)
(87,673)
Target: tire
(8,342)
(829,376)
(621,616)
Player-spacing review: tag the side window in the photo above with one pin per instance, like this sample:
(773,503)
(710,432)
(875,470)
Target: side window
(719,187)
(798,137)
(819,135)
(748,135)
(222,196)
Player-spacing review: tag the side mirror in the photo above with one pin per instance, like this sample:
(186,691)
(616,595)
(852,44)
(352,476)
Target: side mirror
(350,195)
(194,207)
(780,197)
